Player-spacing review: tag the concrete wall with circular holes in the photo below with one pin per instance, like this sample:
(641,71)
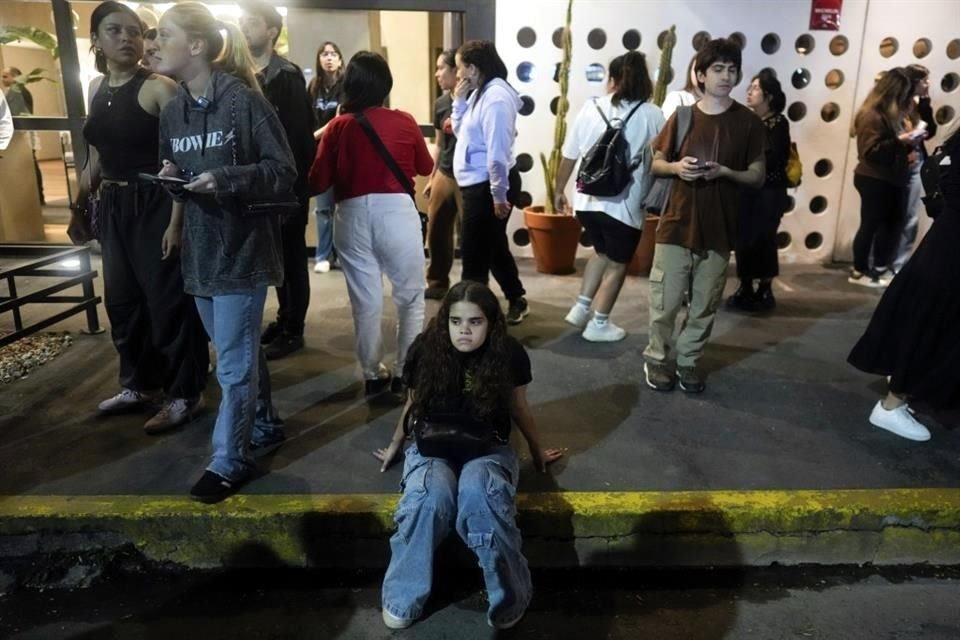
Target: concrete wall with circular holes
(825,75)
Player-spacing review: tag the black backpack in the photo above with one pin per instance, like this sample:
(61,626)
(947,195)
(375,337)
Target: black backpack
(930,179)
(606,169)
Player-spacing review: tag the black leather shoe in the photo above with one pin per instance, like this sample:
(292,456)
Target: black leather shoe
(283,345)
(271,333)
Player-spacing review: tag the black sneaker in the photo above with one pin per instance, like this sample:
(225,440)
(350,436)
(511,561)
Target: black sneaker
(271,333)
(376,387)
(764,300)
(283,345)
(269,443)
(692,379)
(212,488)
(743,299)
(659,377)
(517,311)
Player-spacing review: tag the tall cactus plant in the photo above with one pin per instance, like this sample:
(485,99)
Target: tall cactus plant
(551,164)
(663,73)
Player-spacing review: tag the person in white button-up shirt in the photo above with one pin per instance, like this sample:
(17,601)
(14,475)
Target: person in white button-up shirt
(6,124)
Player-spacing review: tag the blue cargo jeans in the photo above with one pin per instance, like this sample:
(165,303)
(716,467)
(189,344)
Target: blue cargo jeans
(480,503)
(246,412)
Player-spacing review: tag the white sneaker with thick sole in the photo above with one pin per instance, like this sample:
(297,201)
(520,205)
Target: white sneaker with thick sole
(173,414)
(606,332)
(126,400)
(323,266)
(578,316)
(393,622)
(899,421)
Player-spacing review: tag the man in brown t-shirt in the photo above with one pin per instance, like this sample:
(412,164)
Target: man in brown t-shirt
(722,150)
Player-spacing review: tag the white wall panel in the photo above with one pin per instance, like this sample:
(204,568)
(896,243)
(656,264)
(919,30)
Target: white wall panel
(807,237)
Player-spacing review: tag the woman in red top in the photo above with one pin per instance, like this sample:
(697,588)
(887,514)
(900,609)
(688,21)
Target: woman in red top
(377,228)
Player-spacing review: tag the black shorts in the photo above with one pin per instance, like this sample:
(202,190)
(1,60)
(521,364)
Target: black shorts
(612,238)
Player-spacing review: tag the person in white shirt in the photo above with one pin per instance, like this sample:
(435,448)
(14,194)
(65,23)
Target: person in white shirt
(613,223)
(684,97)
(6,124)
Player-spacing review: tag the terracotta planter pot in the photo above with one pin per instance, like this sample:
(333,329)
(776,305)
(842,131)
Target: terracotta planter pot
(554,238)
(642,260)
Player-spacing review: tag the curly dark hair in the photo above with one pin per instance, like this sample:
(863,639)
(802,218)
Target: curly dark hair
(441,368)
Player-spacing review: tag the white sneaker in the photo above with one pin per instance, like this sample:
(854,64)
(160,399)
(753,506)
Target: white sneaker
(393,622)
(126,400)
(899,421)
(606,332)
(322,266)
(886,278)
(173,414)
(579,316)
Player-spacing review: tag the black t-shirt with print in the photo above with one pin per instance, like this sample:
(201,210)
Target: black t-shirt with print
(519,371)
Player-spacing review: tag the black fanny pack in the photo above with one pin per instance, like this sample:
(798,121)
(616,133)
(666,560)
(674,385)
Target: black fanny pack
(453,436)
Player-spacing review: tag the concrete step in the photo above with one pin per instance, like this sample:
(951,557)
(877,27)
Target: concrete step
(710,528)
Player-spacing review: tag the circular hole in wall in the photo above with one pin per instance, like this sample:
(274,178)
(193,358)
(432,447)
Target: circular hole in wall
(631,40)
(950,82)
(889,46)
(805,44)
(834,79)
(554,103)
(839,45)
(813,241)
(791,204)
(528,105)
(821,169)
(818,205)
(525,71)
(521,237)
(800,78)
(662,39)
(770,70)
(557,38)
(922,47)
(797,111)
(739,38)
(597,38)
(700,38)
(770,43)
(585,239)
(945,114)
(526,37)
(596,72)
(830,112)
(523,200)
(524,162)
(953,49)
(784,240)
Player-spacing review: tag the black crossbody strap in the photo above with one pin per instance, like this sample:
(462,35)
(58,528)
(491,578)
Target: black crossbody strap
(381,148)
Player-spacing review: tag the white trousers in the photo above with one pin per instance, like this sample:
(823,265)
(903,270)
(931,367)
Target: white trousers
(379,234)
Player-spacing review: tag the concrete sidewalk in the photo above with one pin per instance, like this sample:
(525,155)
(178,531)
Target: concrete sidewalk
(783,413)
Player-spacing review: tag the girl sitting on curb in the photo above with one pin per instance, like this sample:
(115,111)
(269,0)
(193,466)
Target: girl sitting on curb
(463,363)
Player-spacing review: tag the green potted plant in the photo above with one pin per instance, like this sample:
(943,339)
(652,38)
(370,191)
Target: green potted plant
(38,37)
(642,260)
(555,235)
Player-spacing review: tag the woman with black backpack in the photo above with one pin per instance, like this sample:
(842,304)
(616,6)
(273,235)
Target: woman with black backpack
(613,222)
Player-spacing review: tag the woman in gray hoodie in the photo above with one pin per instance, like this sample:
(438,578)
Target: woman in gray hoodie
(223,137)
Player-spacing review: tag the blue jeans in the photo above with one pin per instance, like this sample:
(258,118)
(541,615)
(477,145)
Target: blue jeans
(324,214)
(480,503)
(246,410)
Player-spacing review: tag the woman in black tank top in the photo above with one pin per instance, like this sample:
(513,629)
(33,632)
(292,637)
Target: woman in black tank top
(154,324)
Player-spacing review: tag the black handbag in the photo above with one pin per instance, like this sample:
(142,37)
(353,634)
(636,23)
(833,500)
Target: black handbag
(453,436)
(393,166)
